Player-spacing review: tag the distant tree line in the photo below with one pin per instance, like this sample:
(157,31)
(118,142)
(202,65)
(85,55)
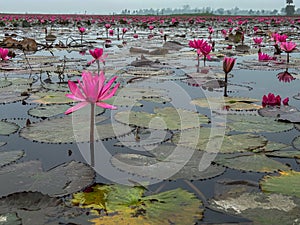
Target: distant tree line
(186,9)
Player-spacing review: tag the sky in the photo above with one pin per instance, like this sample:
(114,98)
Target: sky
(110,6)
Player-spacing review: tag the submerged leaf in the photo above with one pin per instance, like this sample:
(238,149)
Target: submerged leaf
(167,163)
(62,180)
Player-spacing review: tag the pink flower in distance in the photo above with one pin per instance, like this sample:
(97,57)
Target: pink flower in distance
(81,29)
(151,27)
(288,47)
(97,54)
(4,53)
(107,26)
(285,77)
(258,40)
(197,44)
(124,30)
(281,37)
(91,90)
(265,57)
(135,36)
(111,32)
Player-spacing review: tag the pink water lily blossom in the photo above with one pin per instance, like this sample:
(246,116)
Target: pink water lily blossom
(91,90)
(265,57)
(4,54)
(81,29)
(97,54)
(257,40)
(228,64)
(288,47)
(272,100)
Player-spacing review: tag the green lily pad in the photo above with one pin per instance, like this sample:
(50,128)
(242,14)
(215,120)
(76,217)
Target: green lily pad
(2,143)
(130,96)
(49,98)
(13,93)
(260,208)
(290,117)
(250,162)
(272,146)
(72,129)
(256,124)
(48,110)
(7,128)
(10,219)
(149,166)
(21,81)
(54,110)
(5,83)
(276,112)
(34,208)
(227,143)
(162,118)
(57,87)
(9,157)
(228,103)
(62,180)
(285,154)
(287,182)
(128,205)
(143,137)
(296,142)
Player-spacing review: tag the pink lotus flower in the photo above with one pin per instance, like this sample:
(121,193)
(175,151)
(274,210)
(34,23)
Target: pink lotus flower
(111,32)
(202,47)
(124,30)
(135,36)
(224,33)
(258,40)
(281,38)
(288,47)
(81,29)
(107,26)
(255,29)
(4,53)
(91,90)
(151,27)
(272,100)
(285,101)
(228,64)
(97,54)
(265,57)
(285,76)
(210,30)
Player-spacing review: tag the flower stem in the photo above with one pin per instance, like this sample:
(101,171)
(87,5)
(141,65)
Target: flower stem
(98,64)
(81,39)
(288,58)
(92,131)
(225,86)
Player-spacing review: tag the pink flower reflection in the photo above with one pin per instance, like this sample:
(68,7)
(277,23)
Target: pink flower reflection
(285,77)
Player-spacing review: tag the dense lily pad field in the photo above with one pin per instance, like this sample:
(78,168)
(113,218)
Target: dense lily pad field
(185,145)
